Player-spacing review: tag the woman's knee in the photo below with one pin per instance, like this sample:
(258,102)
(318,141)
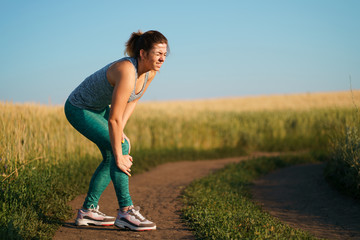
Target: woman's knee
(125,147)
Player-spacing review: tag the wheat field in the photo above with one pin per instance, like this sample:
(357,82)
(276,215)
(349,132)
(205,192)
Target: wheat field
(35,133)
(304,101)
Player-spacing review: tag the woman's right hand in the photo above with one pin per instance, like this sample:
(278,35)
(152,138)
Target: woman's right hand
(124,163)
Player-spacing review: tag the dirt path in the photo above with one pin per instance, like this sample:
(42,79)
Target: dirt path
(300,196)
(157,192)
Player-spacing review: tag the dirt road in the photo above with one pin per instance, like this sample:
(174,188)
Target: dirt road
(300,196)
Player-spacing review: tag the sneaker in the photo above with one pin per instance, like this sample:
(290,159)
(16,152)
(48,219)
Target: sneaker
(133,220)
(93,216)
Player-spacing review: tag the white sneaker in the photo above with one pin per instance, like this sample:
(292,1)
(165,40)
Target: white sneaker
(93,216)
(133,220)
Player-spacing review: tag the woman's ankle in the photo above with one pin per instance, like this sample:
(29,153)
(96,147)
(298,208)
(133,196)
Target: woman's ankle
(125,209)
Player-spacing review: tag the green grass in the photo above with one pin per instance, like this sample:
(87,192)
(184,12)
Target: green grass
(343,169)
(35,204)
(219,206)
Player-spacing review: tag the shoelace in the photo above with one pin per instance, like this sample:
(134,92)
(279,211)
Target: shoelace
(137,213)
(96,210)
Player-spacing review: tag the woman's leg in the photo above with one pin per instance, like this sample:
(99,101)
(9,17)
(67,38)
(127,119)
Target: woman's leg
(94,126)
(119,178)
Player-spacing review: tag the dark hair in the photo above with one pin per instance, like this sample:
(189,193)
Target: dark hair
(139,40)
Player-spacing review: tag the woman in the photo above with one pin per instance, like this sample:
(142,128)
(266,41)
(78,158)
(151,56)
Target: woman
(121,84)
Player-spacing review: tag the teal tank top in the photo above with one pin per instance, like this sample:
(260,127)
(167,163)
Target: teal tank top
(95,92)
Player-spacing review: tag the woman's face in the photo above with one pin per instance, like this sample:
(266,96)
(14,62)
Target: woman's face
(156,56)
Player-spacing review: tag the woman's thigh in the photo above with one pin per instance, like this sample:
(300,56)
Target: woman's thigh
(93,125)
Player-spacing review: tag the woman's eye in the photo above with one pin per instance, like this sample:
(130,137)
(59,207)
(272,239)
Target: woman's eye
(160,54)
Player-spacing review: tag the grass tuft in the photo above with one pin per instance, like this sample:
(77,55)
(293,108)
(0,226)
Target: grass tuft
(343,169)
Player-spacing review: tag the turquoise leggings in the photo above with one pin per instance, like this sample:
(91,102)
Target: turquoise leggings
(94,126)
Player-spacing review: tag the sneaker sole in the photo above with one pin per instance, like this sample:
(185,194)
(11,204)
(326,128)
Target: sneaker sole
(86,222)
(124,225)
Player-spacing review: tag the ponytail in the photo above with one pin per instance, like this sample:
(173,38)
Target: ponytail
(132,43)
(139,40)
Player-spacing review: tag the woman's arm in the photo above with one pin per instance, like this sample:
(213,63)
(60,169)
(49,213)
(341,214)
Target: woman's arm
(124,82)
(128,112)
(131,106)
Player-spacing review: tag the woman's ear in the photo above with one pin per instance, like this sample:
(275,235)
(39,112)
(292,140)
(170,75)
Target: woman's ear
(143,54)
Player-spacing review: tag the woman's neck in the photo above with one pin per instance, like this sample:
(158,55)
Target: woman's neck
(142,67)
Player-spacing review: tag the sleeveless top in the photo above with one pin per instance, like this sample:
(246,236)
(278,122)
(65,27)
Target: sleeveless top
(95,92)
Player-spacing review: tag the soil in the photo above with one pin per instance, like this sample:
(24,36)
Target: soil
(297,195)
(300,197)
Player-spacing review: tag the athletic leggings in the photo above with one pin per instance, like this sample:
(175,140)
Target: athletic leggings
(94,126)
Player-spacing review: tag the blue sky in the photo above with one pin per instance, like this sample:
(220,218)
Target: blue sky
(218,48)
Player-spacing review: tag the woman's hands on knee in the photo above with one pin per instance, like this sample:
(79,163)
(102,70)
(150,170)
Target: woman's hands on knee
(124,163)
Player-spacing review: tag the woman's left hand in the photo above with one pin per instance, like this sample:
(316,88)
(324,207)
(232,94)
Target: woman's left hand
(125,137)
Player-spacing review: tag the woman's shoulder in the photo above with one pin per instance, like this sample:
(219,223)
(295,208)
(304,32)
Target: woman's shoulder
(120,68)
(126,64)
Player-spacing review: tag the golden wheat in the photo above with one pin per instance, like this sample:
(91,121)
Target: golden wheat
(304,101)
(34,132)
(38,133)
